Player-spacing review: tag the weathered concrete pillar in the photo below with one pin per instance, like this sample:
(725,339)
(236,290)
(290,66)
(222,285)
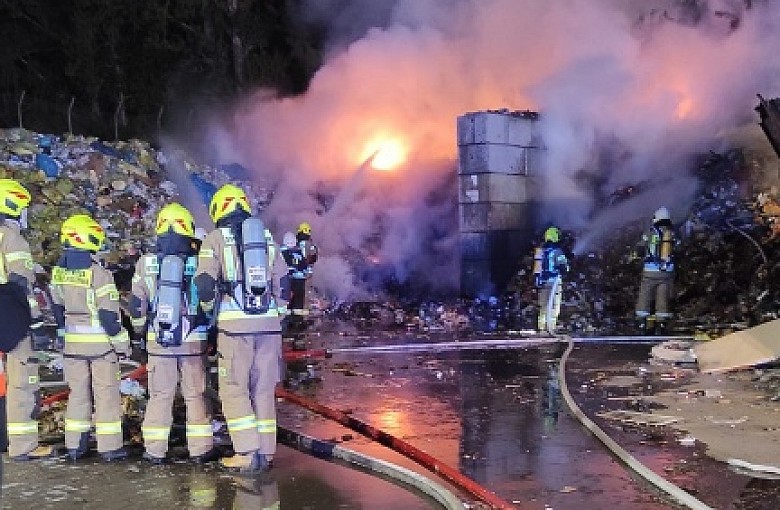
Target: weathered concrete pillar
(499,154)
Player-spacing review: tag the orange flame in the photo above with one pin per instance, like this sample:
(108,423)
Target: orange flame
(385,154)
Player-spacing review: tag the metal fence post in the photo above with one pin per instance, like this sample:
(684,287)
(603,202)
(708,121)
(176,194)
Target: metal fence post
(70,114)
(116,115)
(19,108)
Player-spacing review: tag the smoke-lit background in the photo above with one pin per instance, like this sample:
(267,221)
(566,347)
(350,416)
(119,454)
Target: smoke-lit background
(628,92)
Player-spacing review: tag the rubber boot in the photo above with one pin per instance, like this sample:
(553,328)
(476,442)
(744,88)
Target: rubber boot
(155,461)
(245,463)
(41,452)
(112,455)
(264,462)
(212,455)
(83,448)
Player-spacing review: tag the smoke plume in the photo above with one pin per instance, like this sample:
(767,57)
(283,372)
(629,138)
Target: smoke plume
(627,91)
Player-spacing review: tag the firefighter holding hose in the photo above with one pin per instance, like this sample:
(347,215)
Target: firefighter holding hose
(550,264)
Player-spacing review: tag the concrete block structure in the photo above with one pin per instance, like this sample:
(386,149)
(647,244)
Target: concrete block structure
(499,155)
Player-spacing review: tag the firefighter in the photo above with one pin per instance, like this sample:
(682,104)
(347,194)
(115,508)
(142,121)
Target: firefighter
(86,305)
(180,358)
(550,264)
(301,271)
(16,275)
(655,290)
(249,337)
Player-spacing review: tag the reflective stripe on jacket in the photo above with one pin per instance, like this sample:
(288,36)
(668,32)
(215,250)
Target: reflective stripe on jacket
(15,259)
(84,293)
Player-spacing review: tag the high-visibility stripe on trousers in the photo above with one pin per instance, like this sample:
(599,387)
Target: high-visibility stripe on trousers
(87,379)
(23,428)
(248,373)
(164,373)
(21,399)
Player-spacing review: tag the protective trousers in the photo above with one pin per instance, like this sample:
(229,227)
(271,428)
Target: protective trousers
(164,374)
(98,376)
(22,399)
(655,294)
(545,322)
(249,368)
(298,304)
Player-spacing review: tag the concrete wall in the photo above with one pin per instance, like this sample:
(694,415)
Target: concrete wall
(499,156)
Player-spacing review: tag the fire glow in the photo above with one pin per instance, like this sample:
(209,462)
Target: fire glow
(385,155)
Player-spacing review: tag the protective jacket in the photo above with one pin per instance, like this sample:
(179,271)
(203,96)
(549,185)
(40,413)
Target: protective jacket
(553,263)
(657,244)
(219,266)
(16,269)
(16,264)
(86,306)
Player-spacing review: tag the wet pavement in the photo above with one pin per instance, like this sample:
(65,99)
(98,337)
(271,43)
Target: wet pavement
(495,415)
(297,481)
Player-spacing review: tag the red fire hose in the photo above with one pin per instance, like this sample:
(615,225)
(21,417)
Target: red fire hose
(313,354)
(420,457)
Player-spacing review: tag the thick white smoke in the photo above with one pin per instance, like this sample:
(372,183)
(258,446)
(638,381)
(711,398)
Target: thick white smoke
(626,89)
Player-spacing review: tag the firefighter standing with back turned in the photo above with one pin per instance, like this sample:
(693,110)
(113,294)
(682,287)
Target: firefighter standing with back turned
(299,253)
(655,290)
(86,306)
(299,304)
(239,261)
(165,305)
(16,269)
(550,264)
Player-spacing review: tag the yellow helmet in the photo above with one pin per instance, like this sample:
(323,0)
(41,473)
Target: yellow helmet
(227,199)
(304,228)
(552,235)
(82,232)
(13,197)
(175,217)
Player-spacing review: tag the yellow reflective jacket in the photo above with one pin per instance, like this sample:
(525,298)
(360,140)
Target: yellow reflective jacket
(84,294)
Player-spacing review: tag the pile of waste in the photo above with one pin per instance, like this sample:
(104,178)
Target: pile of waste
(122,184)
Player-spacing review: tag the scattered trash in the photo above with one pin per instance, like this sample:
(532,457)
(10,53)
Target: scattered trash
(687,441)
(636,418)
(132,388)
(724,421)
